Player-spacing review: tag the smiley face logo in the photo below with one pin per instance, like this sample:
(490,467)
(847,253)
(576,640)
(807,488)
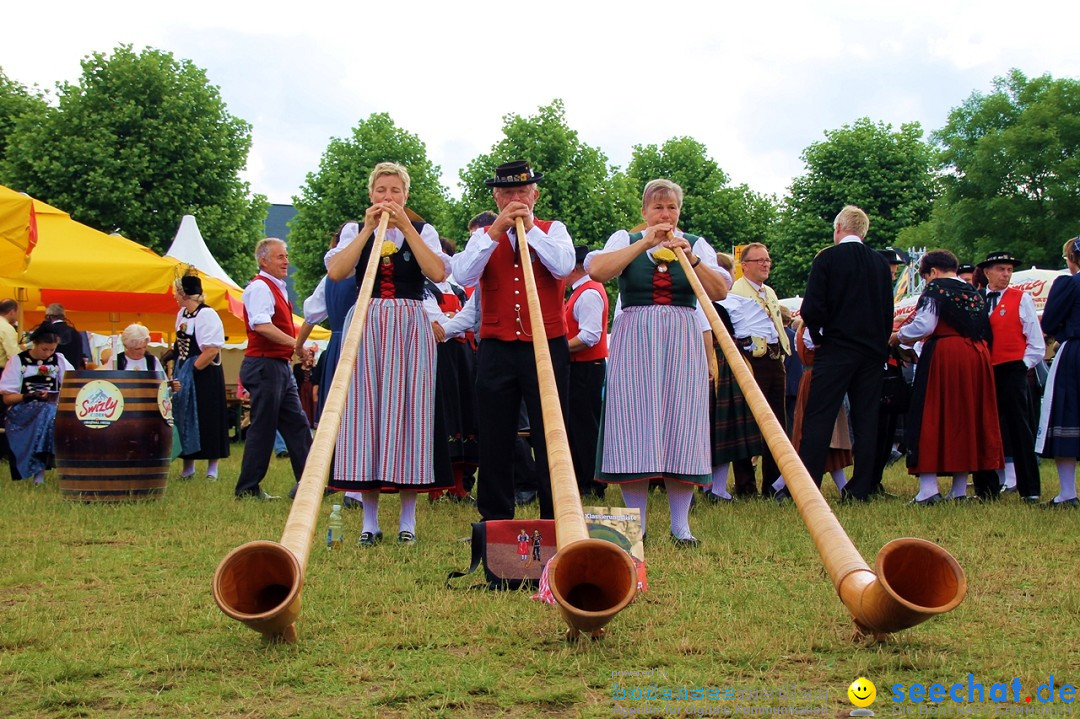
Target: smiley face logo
(862,692)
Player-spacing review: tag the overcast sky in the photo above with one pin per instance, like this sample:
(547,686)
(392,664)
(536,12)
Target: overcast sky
(756,82)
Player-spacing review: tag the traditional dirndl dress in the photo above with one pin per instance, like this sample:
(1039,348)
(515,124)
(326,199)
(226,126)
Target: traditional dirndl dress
(29,425)
(201,406)
(387,428)
(656,409)
(947,432)
(1059,419)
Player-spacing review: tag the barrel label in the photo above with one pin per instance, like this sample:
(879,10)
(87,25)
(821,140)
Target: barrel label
(99,404)
(164,401)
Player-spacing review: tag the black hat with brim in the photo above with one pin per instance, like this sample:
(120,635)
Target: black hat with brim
(894,256)
(999,258)
(514,174)
(965,269)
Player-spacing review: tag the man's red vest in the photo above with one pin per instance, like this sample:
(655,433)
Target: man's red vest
(1009,341)
(504,305)
(259,346)
(599,350)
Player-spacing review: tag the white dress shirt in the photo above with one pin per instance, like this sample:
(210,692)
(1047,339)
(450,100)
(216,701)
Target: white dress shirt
(554,249)
(393,234)
(259,300)
(589,314)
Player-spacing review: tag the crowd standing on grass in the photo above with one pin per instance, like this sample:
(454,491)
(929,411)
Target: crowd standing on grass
(445,384)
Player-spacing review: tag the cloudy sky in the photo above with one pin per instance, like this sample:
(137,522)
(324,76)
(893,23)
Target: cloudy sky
(755,82)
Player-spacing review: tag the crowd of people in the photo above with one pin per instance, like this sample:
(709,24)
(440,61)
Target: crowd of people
(445,379)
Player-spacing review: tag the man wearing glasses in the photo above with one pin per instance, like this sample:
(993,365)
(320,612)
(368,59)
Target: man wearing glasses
(766,355)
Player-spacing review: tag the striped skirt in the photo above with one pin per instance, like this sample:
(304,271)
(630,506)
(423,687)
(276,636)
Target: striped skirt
(386,434)
(656,412)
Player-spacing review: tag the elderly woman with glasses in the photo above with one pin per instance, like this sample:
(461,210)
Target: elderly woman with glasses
(135,356)
(656,413)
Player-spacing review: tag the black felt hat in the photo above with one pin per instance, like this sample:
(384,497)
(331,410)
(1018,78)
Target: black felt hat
(965,268)
(580,251)
(999,258)
(894,256)
(514,174)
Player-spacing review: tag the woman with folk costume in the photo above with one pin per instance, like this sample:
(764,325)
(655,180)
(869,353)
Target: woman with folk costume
(656,413)
(1059,421)
(29,386)
(200,409)
(947,433)
(386,434)
(135,358)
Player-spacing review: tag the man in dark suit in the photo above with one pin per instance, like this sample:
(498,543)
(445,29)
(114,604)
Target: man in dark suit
(848,312)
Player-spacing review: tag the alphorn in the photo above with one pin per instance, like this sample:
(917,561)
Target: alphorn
(915,579)
(259,583)
(591,579)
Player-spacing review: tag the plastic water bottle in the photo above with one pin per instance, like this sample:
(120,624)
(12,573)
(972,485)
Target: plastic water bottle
(335,531)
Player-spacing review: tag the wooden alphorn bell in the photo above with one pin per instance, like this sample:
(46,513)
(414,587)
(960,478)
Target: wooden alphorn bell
(592,580)
(914,579)
(259,583)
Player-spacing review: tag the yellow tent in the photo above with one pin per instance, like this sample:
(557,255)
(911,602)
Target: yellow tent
(103,281)
(18,230)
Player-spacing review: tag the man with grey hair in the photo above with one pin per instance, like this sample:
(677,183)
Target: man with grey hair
(848,313)
(71,342)
(265,372)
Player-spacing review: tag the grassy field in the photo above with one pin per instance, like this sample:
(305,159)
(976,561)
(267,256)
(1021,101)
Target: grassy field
(106,611)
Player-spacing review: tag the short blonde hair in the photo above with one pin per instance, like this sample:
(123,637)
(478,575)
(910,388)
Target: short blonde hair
(853,221)
(661,186)
(389,168)
(134,335)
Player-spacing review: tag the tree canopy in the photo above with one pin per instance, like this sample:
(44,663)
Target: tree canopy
(1010,164)
(578,188)
(141,140)
(17,103)
(887,173)
(338,191)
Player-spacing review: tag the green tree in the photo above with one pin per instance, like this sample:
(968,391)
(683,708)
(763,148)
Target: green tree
(17,103)
(887,173)
(726,215)
(139,141)
(578,189)
(338,191)
(1011,171)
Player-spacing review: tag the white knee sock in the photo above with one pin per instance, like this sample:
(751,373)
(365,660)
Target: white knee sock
(211,468)
(678,497)
(371,511)
(39,478)
(408,511)
(355,495)
(719,481)
(779,484)
(189,468)
(928,486)
(1008,477)
(636,494)
(959,485)
(839,478)
(1067,478)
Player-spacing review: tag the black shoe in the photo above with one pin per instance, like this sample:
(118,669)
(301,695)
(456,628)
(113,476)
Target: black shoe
(283,455)
(782,496)
(961,500)
(292,492)
(1030,500)
(711,498)
(848,498)
(1063,504)
(367,539)
(894,457)
(929,501)
(524,497)
(352,503)
(1008,490)
(688,543)
(405,537)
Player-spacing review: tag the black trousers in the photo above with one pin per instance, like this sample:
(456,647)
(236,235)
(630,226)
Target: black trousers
(1017,435)
(583,421)
(859,377)
(506,373)
(275,407)
(771,377)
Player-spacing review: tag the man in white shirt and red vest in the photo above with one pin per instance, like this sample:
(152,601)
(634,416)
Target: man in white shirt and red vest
(586,328)
(506,368)
(266,373)
(1017,346)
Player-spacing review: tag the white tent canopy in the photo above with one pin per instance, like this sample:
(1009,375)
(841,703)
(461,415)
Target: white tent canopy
(189,247)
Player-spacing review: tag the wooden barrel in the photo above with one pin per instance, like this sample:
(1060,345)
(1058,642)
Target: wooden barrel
(113,438)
